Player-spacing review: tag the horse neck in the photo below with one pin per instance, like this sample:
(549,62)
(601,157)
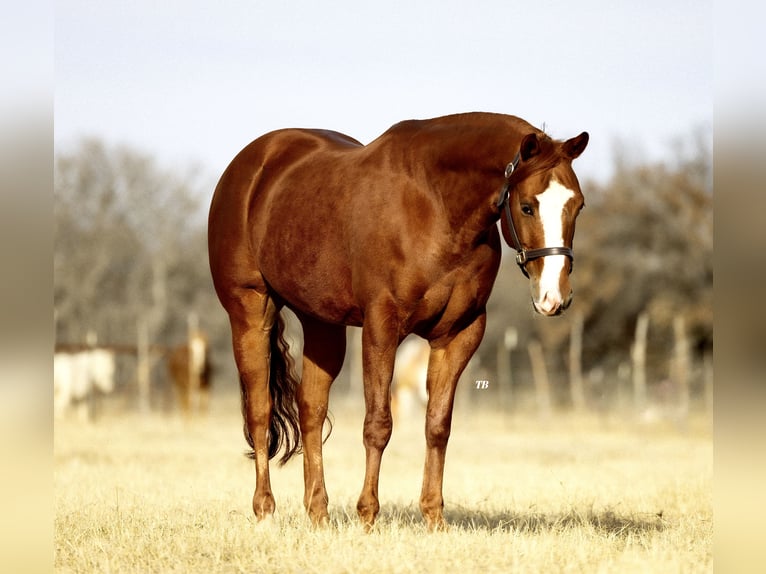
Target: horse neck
(466,168)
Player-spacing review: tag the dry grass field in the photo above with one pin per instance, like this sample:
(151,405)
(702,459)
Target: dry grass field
(152,494)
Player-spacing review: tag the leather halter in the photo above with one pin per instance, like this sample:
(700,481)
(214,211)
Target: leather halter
(509,230)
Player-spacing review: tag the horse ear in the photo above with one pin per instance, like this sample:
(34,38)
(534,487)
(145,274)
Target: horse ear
(574,147)
(530,147)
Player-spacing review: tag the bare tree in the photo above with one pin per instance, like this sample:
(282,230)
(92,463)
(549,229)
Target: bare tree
(130,244)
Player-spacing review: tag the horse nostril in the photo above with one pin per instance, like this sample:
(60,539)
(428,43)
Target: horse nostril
(550,303)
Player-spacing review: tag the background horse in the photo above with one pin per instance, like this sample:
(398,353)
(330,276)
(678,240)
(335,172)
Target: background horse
(408,385)
(398,237)
(190,372)
(78,377)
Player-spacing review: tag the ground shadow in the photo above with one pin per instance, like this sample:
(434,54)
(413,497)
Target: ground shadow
(606,521)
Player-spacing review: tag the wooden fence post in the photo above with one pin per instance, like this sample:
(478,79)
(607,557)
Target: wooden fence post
(638,356)
(576,387)
(143,368)
(540,375)
(85,408)
(680,370)
(504,369)
(192,327)
(707,365)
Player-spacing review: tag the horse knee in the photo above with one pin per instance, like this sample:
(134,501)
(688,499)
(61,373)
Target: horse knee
(437,433)
(377,430)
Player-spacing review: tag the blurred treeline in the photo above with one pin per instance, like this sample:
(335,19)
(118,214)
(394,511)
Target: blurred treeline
(130,247)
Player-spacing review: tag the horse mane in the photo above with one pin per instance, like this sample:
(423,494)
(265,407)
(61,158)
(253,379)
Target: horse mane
(481,125)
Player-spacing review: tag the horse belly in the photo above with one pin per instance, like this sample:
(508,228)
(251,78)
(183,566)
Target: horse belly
(314,280)
(324,303)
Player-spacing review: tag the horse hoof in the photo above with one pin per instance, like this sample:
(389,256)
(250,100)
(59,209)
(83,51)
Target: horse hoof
(368,525)
(436,523)
(263,506)
(367,519)
(319,519)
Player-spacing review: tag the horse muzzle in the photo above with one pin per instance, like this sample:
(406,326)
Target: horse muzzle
(552,303)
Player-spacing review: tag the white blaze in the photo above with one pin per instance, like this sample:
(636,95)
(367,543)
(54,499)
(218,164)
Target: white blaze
(551,204)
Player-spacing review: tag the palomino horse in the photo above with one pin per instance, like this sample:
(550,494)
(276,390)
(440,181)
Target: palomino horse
(190,370)
(398,237)
(408,385)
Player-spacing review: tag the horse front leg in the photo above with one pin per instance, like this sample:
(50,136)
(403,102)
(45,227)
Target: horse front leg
(323,352)
(380,339)
(446,363)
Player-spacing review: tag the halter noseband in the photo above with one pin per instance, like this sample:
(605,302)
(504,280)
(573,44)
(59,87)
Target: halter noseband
(509,230)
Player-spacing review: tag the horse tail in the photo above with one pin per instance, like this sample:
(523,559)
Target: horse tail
(284,429)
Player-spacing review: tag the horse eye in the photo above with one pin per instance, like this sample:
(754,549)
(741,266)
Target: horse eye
(527,210)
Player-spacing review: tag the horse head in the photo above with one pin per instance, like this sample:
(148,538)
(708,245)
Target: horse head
(539,206)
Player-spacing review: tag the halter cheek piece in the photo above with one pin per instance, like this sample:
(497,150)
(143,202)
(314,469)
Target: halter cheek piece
(509,230)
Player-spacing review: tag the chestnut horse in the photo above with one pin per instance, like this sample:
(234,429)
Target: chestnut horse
(398,237)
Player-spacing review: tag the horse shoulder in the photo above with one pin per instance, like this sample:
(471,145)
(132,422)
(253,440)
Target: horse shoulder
(458,295)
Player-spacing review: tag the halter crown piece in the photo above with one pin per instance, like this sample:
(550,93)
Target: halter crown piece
(509,230)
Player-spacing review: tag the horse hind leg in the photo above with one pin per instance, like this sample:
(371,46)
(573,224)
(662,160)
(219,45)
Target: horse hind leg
(267,388)
(324,349)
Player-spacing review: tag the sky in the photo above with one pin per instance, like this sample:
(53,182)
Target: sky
(192,82)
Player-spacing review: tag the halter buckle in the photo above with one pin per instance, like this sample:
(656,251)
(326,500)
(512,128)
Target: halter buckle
(521,257)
